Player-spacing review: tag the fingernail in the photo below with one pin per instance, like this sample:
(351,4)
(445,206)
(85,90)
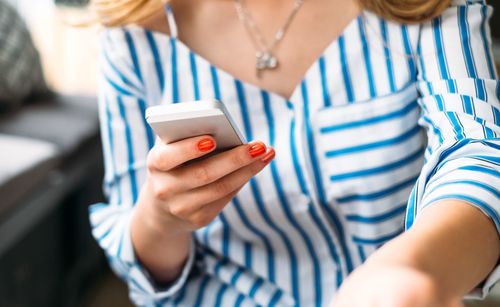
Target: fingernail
(206,145)
(269,156)
(257,149)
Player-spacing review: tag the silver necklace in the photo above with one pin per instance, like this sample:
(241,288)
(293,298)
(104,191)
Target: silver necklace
(264,55)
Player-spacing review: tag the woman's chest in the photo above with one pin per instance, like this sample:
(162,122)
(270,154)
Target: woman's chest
(350,114)
(347,137)
(351,122)
(230,41)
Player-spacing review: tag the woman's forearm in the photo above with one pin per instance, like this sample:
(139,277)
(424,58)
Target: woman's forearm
(178,197)
(452,241)
(160,249)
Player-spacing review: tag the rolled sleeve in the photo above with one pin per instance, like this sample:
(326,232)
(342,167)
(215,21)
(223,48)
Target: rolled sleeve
(459,98)
(111,228)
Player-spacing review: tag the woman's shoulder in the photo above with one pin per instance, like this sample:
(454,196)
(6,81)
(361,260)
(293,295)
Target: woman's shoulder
(131,52)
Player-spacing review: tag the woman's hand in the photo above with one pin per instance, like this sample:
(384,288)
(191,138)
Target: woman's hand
(391,285)
(179,197)
(189,196)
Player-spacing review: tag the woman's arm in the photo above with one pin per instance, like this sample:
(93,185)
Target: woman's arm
(156,200)
(449,250)
(453,216)
(451,241)
(161,248)
(179,198)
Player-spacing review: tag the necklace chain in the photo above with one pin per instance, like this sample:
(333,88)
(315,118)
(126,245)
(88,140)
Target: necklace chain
(264,55)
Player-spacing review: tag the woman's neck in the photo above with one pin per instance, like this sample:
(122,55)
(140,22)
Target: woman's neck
(213,30)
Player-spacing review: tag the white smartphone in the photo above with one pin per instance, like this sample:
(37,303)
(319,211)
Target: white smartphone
(177,121)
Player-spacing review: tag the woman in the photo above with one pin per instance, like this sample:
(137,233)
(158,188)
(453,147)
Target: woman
(339,95)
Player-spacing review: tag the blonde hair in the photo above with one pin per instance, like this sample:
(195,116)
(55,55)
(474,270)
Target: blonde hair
(406,11)
(120,12)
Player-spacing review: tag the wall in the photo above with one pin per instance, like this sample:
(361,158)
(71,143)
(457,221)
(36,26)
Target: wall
(69,53)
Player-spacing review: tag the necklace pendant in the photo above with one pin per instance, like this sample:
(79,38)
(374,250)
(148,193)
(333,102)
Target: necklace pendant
(265,60)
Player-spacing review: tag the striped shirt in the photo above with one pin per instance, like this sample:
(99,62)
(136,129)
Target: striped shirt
(389,119)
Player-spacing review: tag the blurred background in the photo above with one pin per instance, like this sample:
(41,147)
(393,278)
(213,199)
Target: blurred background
(50,159)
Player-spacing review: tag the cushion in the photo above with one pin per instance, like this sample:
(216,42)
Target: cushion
(25,164)
(65,121)
(20,69)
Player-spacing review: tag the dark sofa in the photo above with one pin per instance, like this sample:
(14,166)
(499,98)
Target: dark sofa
(50,171)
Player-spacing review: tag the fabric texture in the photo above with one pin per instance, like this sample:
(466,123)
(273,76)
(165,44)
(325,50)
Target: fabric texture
(25,164)
(387,121)
(67,121)
(21,72)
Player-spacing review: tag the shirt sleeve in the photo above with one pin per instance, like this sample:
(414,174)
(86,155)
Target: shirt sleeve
(459,97)
(126,140)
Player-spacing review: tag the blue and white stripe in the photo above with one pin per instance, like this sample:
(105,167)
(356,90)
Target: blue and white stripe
(389,119)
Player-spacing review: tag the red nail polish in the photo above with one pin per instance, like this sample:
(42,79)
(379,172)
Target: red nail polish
(257,149)
(269,156)
(206,145)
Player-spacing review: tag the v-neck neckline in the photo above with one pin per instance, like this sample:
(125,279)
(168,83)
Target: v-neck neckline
(251,85)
